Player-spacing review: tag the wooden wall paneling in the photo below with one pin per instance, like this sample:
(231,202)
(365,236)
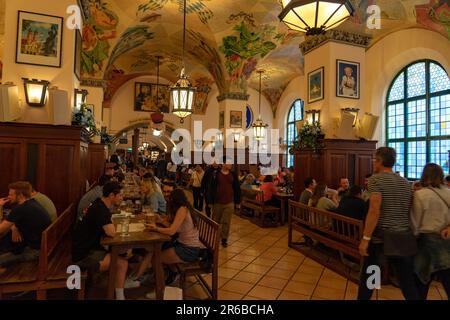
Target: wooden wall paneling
(364,166)
(96,161)
(337,167)
(12,163)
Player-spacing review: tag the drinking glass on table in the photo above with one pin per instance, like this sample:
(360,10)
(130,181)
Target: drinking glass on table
(125,227)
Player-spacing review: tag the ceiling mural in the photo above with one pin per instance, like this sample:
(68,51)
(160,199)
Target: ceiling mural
(227,41)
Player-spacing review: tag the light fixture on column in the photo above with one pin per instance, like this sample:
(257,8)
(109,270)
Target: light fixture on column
(157,117)
(352,111)
(79,98)
(312,116)
(35,91)
(236,136)
(183,92)
(315,16)
(259,127)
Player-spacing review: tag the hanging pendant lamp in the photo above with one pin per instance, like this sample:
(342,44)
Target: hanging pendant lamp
(259,127)
(183,92)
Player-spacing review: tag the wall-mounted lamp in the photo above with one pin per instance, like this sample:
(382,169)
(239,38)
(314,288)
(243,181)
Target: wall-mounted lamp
(145,145)
(312,116)
(352,111)
(80,98)
(236,136)
(35,91)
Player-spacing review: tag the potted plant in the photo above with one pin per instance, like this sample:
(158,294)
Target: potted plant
(85,119)
(310,137)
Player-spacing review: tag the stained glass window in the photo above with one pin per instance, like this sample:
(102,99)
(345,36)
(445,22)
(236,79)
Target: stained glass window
(295,115)
(418,118)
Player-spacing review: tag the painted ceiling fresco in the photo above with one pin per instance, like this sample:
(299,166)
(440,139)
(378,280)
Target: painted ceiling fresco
(227,40)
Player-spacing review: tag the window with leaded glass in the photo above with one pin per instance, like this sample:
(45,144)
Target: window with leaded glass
(295,115)
(418,118)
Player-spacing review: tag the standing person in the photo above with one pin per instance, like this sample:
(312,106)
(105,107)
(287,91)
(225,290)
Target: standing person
(310,185)
(387,230)
(172,171)
(226,192)
(87,252)
(431,222)
(196,182)
(207,192)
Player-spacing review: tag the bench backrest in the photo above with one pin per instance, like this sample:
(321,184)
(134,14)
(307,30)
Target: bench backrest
(253,196)
(334,225)
(208,231)
(53,236)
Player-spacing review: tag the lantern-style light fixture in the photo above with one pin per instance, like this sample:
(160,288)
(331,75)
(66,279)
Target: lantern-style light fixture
(312,116)
(315,16)
(35,91)
(352,111)
(183,92)
(80,98)
(259,127)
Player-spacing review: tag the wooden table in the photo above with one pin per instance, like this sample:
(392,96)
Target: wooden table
(150,241)
(283,197)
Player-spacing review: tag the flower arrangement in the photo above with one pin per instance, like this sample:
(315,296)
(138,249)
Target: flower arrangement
(310,137)
(84,118)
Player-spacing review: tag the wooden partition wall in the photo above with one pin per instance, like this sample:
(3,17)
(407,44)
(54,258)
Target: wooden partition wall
(53,158)
(339,158)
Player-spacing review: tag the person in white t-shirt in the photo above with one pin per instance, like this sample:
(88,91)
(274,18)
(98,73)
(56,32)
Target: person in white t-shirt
(196,183)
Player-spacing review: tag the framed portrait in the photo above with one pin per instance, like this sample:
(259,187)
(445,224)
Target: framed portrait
(347,82)
(316,85)
(221,119)
(77,58)
(235,119)
(39,39)
(150,97)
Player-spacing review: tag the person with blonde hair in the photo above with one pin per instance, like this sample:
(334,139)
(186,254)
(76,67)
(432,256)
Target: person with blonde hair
(152,196)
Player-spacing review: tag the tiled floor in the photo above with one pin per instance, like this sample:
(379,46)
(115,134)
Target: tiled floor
(259,265)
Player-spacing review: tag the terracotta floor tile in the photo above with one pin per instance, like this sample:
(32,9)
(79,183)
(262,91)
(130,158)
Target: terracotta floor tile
(264,262)
(196,292)
(287,265)
(226,295)
(329,293)
(248,277)
(251,298)
(280,273)
(433,294)
(257,268)
(296,259)
(252,252)
(300,288)
(443,294)
(264,293)
(331,274)
(310,270)
(233,264)
(286,295)
(227,272)
(390,293)
(333,283)
(232,249)
(306,278)
(272,282)
(311,263)
(237,286)
(243,258)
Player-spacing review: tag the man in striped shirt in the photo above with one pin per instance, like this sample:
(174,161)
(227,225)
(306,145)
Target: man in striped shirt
(390,204)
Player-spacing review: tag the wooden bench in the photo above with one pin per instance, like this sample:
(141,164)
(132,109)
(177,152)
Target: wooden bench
(331,229)
(209,235)
(50,271)
(253,200)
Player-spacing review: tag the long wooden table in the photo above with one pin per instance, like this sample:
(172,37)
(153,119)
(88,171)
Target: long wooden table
(151,241)
(284,198)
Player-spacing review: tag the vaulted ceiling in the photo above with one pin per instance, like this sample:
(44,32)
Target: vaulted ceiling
(227,40)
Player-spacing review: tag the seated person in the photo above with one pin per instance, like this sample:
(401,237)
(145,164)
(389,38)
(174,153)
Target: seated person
(92,195)
(186,248)
(319,200)
(344,186)
(21,230)
(45,203)
(366,193)
(310,185)
(118,173)
(353,205)
(87,252)
(153,197)
(249,182)
(268,188)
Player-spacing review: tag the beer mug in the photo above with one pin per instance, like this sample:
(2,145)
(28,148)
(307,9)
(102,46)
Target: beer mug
(150,219)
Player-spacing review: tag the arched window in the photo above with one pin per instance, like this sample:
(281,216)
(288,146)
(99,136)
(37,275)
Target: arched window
(295,115)
(418,117)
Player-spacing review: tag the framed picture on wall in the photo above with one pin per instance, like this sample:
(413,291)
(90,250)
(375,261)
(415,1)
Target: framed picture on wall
(235,119)
(316,85)
(347,82)
(39,39)
(150,97)
(77,58)
(221,119)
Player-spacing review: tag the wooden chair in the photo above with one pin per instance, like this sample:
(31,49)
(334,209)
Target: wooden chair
(209,234)
(50,272)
